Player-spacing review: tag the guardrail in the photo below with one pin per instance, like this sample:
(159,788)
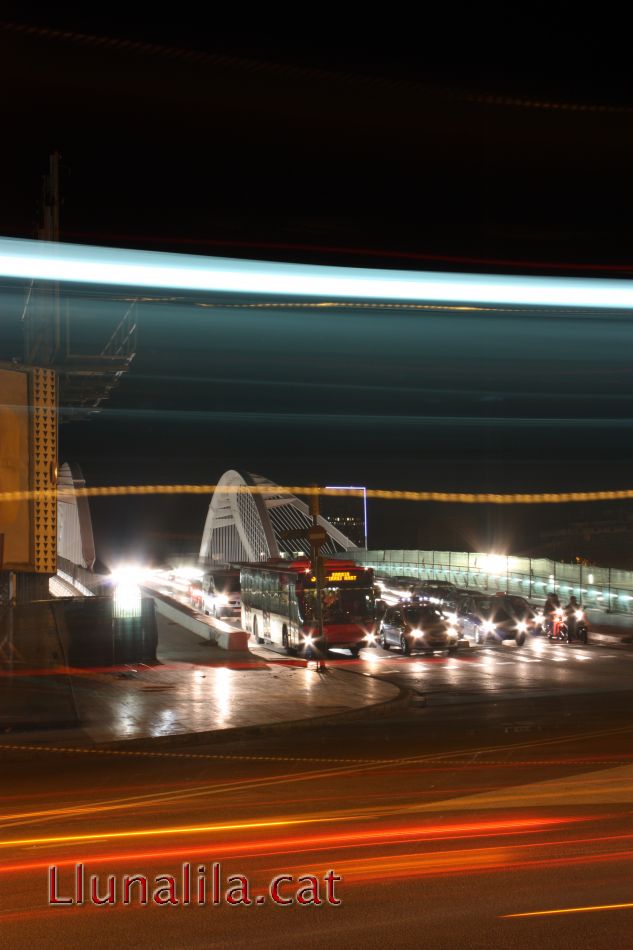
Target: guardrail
(604,589)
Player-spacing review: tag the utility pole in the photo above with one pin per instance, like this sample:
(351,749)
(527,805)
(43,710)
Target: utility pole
(317,535)
(42,311)
(51,201)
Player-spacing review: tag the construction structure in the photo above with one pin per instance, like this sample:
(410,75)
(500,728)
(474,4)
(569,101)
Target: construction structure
(89,342)
(76,349)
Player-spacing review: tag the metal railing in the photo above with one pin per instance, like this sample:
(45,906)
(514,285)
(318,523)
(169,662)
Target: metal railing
(601,588)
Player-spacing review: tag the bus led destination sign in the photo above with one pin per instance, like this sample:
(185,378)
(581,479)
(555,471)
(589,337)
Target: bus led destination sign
(336,577)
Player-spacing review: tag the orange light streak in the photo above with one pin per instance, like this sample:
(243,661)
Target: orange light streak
(570,910)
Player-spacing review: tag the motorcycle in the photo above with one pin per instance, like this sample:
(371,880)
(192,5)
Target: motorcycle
(557,626)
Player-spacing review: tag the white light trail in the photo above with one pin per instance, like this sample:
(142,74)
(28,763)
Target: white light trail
(117,267)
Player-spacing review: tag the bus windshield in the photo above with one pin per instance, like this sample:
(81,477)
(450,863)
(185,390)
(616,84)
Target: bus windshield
(340,605)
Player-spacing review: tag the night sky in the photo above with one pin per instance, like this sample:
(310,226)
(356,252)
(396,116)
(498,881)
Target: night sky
(247,146)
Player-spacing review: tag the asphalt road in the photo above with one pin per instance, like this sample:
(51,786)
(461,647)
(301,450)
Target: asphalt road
(506,789)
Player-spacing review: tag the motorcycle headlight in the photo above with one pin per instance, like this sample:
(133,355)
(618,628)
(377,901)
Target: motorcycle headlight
(579,615)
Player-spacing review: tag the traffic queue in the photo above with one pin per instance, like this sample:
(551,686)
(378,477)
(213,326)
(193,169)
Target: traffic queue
(404,613)
(462,617)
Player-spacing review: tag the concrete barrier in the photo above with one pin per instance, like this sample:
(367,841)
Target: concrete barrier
(232,639)
(222,634)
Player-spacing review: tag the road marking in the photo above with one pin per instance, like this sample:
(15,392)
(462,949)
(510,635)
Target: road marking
(89,750)
(361,763)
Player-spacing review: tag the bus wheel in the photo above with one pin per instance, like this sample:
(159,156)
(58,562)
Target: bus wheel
(285,642)
(258,639)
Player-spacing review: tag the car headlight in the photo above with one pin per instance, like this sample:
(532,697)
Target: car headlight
(370,638)
(452,618)
(522,626)
(308,640)
(488,626)
(417,634)
(452,631)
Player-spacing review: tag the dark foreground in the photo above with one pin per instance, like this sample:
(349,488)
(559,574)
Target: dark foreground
(443,825)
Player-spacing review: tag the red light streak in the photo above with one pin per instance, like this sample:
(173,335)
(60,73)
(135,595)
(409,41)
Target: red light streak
(365,837)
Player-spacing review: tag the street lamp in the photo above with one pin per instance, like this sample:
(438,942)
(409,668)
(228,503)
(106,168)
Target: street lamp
(355,488)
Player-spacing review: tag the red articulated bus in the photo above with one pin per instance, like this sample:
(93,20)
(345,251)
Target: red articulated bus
(279,604)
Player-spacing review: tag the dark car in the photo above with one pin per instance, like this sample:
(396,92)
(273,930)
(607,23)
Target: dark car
(498,617)
(402,582)
(417,626)
(438,592)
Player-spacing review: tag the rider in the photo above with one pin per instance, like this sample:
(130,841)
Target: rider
(552,604)
(571,609)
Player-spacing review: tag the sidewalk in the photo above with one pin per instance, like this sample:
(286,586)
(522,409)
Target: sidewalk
(202,690)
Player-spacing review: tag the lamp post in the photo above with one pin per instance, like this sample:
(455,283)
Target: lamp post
(355,488)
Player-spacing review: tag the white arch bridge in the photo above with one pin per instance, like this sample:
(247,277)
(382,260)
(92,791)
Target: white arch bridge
(243,525)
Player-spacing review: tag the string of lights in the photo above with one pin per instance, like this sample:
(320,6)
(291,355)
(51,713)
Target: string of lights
(460,498)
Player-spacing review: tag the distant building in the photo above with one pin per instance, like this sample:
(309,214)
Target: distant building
(351,526)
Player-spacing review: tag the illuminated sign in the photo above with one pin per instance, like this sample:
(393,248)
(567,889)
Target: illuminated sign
(336,577)
(342,576)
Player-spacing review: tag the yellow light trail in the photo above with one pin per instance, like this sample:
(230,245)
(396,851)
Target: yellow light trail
(570,910)
(459,498)
(157,832)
